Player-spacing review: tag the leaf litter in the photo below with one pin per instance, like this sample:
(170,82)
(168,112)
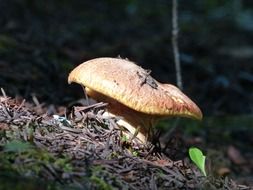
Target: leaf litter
(86,149)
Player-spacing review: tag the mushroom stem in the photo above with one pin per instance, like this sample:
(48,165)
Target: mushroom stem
(142,135)
(129,118)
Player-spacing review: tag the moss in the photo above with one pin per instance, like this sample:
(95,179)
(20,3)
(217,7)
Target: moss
(101,184)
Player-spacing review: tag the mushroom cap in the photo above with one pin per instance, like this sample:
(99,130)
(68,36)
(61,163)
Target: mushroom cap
(132,86)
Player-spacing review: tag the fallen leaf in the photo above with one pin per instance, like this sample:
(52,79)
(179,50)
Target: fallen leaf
(223,171)
(162,162)
(235,155)
(4,126)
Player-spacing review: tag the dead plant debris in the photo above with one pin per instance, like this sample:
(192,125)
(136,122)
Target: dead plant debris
(88,150)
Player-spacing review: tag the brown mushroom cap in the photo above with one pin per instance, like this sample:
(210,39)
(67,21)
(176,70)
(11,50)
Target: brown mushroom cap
(132,86)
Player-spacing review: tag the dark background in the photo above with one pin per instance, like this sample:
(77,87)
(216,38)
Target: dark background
(42,41)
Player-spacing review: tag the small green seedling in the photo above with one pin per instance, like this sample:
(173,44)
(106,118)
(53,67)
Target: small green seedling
(198,158)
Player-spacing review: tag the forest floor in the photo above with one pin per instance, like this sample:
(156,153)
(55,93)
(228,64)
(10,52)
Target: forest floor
(87,150)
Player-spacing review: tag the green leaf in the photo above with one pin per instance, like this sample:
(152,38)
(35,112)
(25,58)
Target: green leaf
(198,158)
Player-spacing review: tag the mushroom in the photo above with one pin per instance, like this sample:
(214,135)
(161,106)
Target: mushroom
(132,94)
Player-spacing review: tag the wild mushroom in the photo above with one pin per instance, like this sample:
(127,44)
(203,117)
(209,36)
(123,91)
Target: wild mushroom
(133,94)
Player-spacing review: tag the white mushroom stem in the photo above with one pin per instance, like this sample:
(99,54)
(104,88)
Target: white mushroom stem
(132,129)
(131,120)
